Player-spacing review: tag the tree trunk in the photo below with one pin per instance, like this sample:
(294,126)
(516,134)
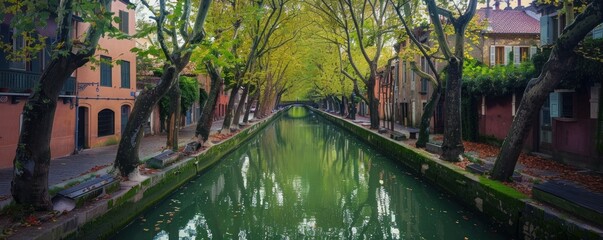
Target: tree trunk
(127,158)
(230,109)
(32,159)
(561,60)
(248,107)
(175,95)
(452,146)
(240,106)
(373,103)
(426,118)
(30,176)
(204,125)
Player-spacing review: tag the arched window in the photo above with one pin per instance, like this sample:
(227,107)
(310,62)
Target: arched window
(106,122)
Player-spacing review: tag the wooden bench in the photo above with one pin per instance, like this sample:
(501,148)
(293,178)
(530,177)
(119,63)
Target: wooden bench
(76,196)
(412,132)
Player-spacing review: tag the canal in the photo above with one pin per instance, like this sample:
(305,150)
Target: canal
(302,177)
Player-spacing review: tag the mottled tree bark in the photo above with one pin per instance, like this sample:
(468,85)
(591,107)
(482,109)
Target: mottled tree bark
(204,125)
(240,106)
(230,109)
(29,185)
(426,117)
(561,61)
(175,95)
(248,107)
(127,158)
(452,147)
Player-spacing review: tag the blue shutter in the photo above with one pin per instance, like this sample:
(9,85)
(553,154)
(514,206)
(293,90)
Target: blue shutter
(554,104)
(598,32)
(546,30)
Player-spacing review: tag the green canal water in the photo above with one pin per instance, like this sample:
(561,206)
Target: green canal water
(301,178)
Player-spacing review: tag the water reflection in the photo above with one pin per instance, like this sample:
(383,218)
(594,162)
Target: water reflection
(301,178)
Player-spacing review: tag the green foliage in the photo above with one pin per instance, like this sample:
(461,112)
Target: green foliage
(29,16)
(587,70)
(189,88)
(479,79)
(190,92)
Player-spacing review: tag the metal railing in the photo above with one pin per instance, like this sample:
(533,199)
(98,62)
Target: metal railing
(17,81)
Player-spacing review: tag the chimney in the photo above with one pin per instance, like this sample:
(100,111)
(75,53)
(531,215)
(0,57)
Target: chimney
(488,9)
(497,4)
(519,3)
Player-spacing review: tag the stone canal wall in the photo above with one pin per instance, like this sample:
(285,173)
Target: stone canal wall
(101,219)
(511,211)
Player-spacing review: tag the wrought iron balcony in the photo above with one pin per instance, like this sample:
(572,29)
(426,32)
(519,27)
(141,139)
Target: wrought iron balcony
(15,81)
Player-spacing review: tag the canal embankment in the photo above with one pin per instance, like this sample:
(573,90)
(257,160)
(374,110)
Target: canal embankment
(513,212)
(105,215)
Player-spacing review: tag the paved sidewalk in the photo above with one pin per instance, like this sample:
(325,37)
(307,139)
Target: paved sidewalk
(65,168)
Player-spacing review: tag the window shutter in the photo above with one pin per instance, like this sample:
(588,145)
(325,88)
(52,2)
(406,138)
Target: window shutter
(125,74)
(554,104)
(533,51)
(125,21)
(546,30)
(508,50)
(492,55)
(516,55)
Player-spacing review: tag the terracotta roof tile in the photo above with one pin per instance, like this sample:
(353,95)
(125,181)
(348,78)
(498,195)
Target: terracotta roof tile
(511,21)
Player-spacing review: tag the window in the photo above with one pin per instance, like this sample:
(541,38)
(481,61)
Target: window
(424,86)
(125,74)
(125,20)
(567,105)
(499,54)
(598,32)
(561,104)
(18,44)
(106,122)
(524,54)
(105,71)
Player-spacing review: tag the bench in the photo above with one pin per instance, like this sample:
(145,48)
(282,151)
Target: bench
(397,136)
(412,132)
(572,198)
(68,199)
(163,159)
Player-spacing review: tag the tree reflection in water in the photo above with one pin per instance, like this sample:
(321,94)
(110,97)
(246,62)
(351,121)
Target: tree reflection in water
(302,177)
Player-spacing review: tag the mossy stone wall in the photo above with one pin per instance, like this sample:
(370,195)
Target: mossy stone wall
(123,208)
(513,212)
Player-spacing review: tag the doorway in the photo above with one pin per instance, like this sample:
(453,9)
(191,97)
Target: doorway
(546,128)
(82,128)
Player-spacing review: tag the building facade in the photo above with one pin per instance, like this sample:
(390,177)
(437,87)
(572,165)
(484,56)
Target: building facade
(94,103)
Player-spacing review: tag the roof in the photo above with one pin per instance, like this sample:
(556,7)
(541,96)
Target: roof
(510,21)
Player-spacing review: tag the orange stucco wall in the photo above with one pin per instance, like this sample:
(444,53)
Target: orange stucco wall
(112,97)
(62,140)
(63,133)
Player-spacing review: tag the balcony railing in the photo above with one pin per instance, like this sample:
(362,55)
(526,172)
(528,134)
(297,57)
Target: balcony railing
(16,81)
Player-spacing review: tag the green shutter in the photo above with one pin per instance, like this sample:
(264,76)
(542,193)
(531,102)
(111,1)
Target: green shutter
(125,21)
(125,74)
(105,71)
